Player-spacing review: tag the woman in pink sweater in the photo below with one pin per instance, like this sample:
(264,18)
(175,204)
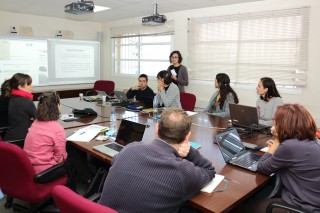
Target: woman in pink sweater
(45,143)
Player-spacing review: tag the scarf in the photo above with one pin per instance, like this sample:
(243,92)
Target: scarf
(22,93)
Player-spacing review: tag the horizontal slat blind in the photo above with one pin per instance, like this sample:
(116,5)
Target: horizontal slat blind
(250,46)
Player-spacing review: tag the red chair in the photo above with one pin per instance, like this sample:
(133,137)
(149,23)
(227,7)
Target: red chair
(188,101)
(19,180)
(68,201)
(104,85)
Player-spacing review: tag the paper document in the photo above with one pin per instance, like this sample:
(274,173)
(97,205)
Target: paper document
(265,149)
(86,134)
(191,113)
(212,184)
(173,72)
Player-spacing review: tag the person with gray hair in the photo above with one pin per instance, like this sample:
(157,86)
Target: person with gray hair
(159,176)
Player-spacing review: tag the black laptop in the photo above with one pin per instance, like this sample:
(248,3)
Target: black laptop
(128,132)
(246,117)
(234,152)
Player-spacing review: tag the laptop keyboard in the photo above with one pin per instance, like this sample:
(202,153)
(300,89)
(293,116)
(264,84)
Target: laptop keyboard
(246,159)
(114,146)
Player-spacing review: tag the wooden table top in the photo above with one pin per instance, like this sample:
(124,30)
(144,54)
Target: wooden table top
(242,183)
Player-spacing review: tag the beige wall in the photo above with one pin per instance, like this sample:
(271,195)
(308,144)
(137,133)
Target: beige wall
(309,96)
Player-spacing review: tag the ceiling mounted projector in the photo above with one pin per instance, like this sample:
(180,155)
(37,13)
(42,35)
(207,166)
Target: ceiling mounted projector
(155,19)
(81,7)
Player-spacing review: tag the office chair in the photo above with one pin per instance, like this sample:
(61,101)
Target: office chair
(3,131)
(104,85)
(18,142)
(188,101)
(19,180)
(68,201)
(276,204)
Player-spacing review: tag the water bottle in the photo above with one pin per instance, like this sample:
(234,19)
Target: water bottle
(113,122)
(155,104)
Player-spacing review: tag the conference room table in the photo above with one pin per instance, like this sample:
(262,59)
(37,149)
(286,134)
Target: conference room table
(242,183)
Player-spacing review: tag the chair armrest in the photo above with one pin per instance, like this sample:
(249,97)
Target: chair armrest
(95,197)
(284,205)
(18,142)
(277,186)
(50,174)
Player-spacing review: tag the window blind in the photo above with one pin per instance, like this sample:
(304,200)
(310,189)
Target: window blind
(250,46)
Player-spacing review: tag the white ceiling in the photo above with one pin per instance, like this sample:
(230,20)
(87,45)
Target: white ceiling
(120,9)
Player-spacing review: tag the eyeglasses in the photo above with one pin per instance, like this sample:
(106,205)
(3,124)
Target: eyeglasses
(174,57)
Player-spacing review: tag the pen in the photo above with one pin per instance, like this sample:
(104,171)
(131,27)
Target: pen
(82,133)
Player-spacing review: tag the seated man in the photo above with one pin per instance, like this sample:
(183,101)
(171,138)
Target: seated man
(142,91)
(159,176)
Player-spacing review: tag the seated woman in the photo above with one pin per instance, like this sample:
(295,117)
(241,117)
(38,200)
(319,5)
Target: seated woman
(45,143)
(295,153)
(4,103)
(269,100)
(21,110)
(220,100)
(168,93)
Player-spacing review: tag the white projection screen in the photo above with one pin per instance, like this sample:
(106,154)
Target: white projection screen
(50,61)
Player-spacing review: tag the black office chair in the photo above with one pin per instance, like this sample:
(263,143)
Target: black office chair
(276,204)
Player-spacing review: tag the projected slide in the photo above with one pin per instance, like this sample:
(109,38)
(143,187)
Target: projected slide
(50,61)
(25,56)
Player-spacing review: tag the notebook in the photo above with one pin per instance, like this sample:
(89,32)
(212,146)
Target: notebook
(234,152)
(128,132)
(246,117)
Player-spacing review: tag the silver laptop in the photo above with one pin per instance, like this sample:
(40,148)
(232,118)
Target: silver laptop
(128,132)
(121,96)
(246,117)
(234,152)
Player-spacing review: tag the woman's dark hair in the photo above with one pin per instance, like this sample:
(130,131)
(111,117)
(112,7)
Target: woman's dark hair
(19,79)
(272,89)
(294,121)
(48,106)
(5,88)
(179,55)
(165,75)
(225,88)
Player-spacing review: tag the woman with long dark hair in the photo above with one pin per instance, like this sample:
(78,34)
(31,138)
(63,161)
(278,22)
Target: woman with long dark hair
(168,93)
(21,110)
(220,100)
(269,100)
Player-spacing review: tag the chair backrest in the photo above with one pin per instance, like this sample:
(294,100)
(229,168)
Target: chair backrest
(16,173)
(188,101)
(69,201)
(104,85)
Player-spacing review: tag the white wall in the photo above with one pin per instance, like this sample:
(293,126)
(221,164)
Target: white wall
(47,27)
(309,96)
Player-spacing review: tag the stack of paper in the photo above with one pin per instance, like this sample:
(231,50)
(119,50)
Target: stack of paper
(86,134)
(212,184)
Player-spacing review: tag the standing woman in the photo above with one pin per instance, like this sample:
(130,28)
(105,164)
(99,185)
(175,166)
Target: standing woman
(21,110)
(295,154)
(220,100)
(269,100)
(168,93)
(179,73)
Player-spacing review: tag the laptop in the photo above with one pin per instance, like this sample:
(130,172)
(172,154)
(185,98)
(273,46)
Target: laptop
(234,152)
(128,132)
(246,117)
(122,97)
(96,97)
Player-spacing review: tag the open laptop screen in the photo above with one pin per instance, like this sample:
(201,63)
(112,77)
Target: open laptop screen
(129,131)
(244,116)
